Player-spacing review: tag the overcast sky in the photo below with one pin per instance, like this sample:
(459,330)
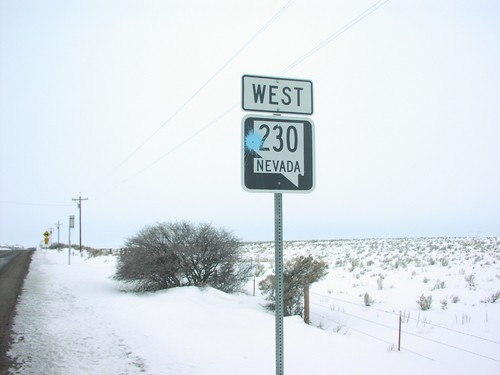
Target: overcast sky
(137,105)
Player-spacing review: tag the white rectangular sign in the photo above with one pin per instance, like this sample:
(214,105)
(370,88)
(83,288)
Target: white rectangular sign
(278,95)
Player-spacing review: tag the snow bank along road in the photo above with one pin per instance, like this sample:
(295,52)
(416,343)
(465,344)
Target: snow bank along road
(76,319)
(14,265)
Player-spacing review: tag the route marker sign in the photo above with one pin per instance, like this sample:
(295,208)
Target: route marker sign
(277,95)
(277,154)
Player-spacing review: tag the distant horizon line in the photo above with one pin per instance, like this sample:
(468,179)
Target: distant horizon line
(379,238)
(5,246)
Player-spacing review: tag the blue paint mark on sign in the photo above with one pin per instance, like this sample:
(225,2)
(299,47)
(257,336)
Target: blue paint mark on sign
(253,141)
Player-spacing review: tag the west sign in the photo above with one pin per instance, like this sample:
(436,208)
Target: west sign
(277,95)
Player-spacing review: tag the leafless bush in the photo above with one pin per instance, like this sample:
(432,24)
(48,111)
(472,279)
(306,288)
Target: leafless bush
(168,255)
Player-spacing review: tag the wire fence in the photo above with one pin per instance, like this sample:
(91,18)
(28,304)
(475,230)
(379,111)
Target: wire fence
(386,327)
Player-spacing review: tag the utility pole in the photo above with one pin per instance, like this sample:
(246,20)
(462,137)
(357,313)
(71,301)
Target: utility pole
(80,199)
(70,226)
(58,242)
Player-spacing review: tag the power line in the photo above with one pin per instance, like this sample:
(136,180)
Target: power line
(36,204)
(336,34)
(332,37)
(210,79)
(179,145)
(168,120)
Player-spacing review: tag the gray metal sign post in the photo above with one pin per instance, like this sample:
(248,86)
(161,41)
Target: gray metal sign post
(278,295)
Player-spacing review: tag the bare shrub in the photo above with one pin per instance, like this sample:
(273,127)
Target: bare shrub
(168,255)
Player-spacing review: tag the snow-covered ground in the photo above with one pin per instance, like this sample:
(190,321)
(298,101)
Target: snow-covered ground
(74,319)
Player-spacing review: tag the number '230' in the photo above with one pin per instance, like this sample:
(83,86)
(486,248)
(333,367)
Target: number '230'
(290,138)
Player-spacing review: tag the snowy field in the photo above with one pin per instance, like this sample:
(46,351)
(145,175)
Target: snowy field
(74,319)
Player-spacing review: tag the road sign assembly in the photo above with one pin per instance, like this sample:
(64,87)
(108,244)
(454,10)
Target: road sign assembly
(277,157)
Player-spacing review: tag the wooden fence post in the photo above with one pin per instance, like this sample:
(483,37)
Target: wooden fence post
(399,338)
(306,304)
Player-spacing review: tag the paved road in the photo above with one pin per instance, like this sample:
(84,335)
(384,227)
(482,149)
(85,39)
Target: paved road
(6,256)
(14,265)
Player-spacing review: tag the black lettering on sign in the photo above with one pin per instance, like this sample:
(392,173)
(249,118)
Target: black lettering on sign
(277,166)
(291,141)
(274,96)
(298,89)
(258,93)
(266,134)
(286,92)
(289,131)
(279,137)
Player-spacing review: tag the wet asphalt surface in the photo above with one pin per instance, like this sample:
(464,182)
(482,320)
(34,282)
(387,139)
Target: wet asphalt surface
(14,265)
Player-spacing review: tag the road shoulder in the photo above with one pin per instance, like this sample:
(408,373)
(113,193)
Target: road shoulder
(11,283)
